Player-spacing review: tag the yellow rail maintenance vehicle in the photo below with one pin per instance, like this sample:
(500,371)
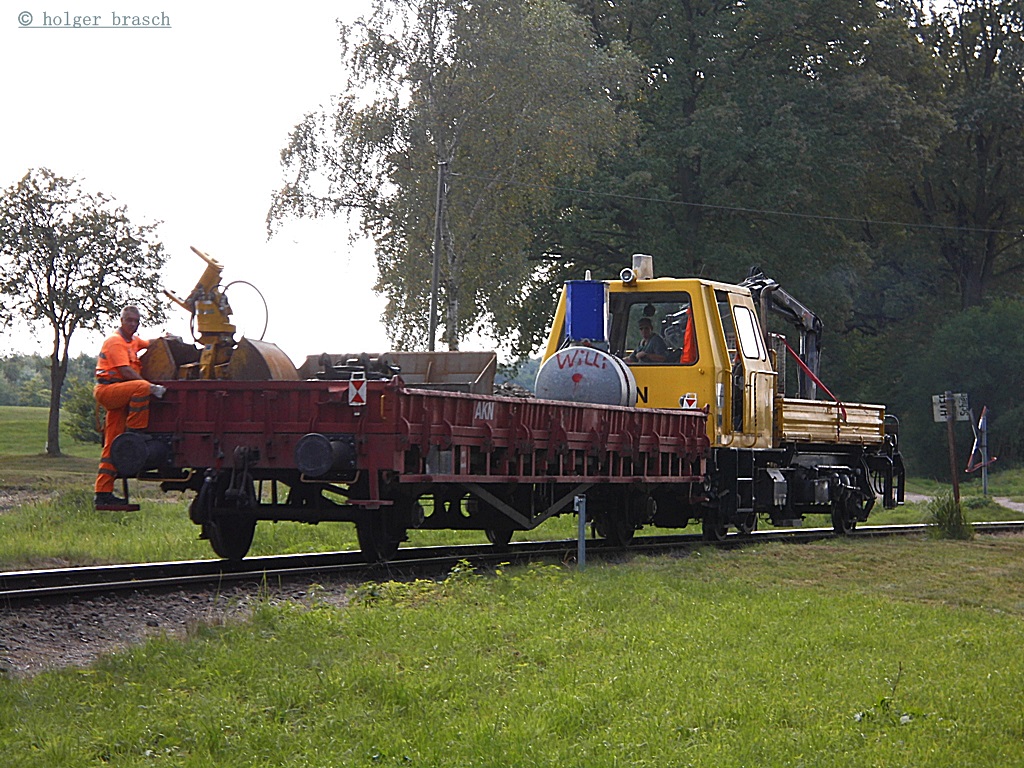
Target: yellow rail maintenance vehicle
(706,347)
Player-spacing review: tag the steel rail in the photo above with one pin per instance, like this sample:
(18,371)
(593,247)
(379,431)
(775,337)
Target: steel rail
(22,585)
(19,586)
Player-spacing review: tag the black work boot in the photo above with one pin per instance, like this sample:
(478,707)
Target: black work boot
(108,500)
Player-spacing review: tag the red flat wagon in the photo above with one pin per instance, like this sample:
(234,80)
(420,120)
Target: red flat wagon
(389,457)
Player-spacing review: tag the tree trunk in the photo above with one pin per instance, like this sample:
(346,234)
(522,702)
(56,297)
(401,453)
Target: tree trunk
(58,372)
(452,324)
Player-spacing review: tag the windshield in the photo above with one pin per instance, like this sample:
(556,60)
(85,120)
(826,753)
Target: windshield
(670,337)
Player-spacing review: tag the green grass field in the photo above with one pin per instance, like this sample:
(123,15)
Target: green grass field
(852,653)
(867,653)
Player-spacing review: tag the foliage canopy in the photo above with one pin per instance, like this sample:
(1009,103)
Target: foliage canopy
(512,97)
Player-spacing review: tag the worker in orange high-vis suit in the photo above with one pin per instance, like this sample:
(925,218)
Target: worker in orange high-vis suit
(122,391)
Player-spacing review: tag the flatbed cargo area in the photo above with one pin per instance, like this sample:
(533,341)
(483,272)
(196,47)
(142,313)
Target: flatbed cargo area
(820,421)
(426,435)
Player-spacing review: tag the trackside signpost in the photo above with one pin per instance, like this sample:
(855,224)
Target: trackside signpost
(950,407)
(951,404)
(980,444)
(580,506)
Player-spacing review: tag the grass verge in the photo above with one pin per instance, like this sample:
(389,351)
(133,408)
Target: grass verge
(866,653)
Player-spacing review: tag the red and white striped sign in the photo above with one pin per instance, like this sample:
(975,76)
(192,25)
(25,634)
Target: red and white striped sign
(357,391)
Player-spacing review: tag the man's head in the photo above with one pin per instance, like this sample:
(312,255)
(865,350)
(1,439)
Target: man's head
(646,326)
(130,318)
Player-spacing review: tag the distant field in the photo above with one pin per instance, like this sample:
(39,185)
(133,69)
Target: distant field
(23,433)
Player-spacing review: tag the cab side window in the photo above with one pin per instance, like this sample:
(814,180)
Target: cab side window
(751,344)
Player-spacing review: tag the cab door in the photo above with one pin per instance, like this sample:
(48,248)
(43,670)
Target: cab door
(746,384)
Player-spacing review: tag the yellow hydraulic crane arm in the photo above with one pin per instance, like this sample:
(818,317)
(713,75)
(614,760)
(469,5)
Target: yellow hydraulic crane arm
(218,355)
(211,316)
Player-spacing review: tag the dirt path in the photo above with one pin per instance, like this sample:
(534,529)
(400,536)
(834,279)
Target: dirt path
(1002,501)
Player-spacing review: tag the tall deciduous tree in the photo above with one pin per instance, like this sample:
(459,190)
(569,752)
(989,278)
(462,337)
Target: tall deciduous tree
(513,97)
(765,126)
(974,186)
(72,259)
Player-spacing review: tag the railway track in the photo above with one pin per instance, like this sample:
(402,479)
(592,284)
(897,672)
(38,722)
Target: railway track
(19,586)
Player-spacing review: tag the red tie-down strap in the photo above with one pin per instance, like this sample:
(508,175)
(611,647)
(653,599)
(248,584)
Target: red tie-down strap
(815,379)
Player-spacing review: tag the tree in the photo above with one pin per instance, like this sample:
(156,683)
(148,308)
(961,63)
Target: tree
(979,351)
(779,133)
(770,132)
(82,420)
(73,259)
(972,190)
(514,98)
(16,374)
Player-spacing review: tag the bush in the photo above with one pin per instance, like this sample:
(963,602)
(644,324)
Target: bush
(947,515)
(80,417)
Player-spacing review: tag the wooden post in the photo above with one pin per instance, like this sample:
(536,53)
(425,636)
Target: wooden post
(435,277)
(950,418)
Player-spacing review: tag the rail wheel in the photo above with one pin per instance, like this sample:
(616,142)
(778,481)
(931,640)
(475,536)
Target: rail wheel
(230,535)
(844,515)
(379,537)
(618,514)
(713,526)
(747,524)
(499,537)
(616,527)
(219,509)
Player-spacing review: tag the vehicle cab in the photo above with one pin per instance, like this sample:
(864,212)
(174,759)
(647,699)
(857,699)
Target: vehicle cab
(714,352)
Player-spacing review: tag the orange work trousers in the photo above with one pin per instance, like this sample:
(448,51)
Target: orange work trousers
(127,404)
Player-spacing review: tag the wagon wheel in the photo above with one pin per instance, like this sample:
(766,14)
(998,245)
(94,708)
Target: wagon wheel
(230,535)
(379,537)
(747,524)
(615,527)
(499,537)
(229,532)
(618,514)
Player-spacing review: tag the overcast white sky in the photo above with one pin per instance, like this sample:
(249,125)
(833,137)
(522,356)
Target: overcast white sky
(184,125)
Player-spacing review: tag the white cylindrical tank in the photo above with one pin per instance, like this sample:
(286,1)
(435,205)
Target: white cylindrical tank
(586,375)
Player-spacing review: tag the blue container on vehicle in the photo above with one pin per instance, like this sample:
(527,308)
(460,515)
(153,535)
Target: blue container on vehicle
(586,312)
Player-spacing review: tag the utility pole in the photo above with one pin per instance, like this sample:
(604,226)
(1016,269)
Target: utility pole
(435,278)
